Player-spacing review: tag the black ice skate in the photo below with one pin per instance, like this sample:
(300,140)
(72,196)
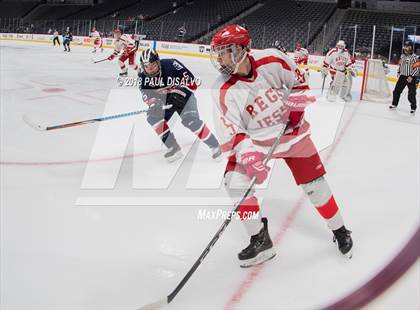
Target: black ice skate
(412,112)
(174,153)
(345,243)
(392,107)
(124,74)
(216,152)
(259,250)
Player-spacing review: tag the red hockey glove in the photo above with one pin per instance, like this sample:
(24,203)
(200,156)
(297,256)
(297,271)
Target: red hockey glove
(111,57)
(296,105)
(254,166)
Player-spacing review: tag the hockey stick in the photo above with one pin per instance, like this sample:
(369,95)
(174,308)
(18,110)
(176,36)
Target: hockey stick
(78,123)
(98,61)
(165,301)
(323,84)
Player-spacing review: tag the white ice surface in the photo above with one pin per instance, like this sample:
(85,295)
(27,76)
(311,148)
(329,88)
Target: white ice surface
(56,254)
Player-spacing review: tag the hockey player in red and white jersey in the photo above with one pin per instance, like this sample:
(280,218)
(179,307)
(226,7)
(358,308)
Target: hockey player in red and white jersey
(339,63)
(97,40)
(126,48)
(301,57)
(258,93)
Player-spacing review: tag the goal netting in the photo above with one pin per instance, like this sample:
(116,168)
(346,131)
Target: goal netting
(375,85)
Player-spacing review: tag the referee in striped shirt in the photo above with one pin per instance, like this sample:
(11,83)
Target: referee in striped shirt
(407,73)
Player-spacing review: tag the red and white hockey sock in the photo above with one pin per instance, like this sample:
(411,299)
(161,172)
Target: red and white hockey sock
(122,66)
(205,135)
(250,215)
(320,195)
(330,212)
(163,131)
(161,128)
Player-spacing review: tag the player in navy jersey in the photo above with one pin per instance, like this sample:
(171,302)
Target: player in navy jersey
(167,87)
(67,38)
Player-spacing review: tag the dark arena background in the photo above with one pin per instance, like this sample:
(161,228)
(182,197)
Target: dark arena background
(94,217)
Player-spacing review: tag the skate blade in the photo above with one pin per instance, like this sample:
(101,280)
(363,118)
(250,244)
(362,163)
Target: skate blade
(349,254)
(218,159)
(174,158)
(259,259)
(331,99)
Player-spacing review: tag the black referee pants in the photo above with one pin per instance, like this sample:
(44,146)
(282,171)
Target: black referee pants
(56,39)
(399,87)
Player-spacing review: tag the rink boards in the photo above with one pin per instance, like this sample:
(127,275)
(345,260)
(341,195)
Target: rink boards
(175,48)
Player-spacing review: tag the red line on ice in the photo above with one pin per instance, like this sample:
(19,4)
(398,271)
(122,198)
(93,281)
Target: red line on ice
(81,161)
(71,162)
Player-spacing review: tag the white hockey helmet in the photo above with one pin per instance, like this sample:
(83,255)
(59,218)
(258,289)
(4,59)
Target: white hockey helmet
(340,45)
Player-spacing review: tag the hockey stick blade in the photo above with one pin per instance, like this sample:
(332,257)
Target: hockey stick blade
(83,122)
(30,123)
(98,61)
(156,305)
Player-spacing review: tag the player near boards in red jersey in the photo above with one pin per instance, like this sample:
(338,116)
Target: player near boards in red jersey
(301,57)
(339,64)
(124,46)
(256,95)
(97,40)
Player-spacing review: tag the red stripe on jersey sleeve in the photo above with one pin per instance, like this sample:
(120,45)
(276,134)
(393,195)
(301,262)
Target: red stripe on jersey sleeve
(331,51)
(222,94)
(300,87)
(272,59)
(351,62)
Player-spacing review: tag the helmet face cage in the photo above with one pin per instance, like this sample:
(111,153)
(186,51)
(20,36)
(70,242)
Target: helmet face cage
(226,58)
(340,45)
(117,33)
(149,56)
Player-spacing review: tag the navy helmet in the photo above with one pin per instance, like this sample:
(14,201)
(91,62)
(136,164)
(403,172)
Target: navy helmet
(149,56)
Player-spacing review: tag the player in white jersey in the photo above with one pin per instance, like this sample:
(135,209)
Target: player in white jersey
(301,57)
(125,46)
(338,63)
(257,94)
(97,40)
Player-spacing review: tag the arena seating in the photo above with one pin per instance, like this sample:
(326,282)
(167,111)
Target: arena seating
(196,16)
(103,10)
(383,21)
(140,11)
(55,11)
(269,20)
(16,9)
(286,21)
(149,8)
